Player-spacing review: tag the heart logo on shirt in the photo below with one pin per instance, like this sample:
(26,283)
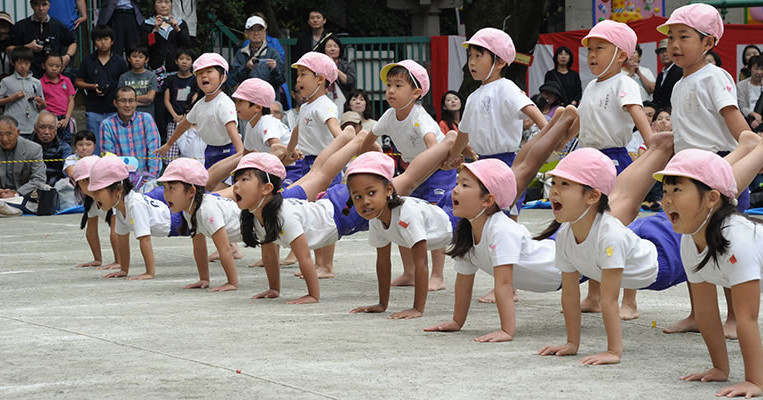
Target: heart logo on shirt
(211,220)
(403,224)
(623,94)
(733,259)
(728,88)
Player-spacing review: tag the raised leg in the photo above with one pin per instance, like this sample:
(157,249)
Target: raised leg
(334,157)
(747,159)
(423,165)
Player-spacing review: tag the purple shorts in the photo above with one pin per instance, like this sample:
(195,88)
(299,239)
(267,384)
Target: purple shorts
(307,164)
(743,201)
(437,186)
(294,192)
(658,230)
(213,154)
(175,218)
(345,224)
(293,173)
(619,156)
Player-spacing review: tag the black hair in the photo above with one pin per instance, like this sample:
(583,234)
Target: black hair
(138,49)
(649,103)
(125,89)
(197,199)
(663,109)
(183,51)
(755,60)
(368,113)
(448,116)
(554,225)
(749,46)
(270,211)
(21,53)
(87,203)
(566,50)
(539,101)
(52,54)
(83,135)
(639,51)
(322,45)
(483,50)
(392,201)
(463,241)
(716,57)
(265,110)
(124,184)
(398,71)
(101,31)
(316,10)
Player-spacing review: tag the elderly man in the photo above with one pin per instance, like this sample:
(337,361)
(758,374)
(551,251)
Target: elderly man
(52,147)
(257,59)
(131,133)
(17,179)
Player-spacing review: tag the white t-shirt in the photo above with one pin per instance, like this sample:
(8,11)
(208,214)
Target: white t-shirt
(217,212)
(506,242)
(291,118)
(408,134)
(741,263)
(144,216)
(493,117)
(411,222)
(648,75)
(314,134)
(604,123)
(94,211)
(70,161)
(609,245)
(636,142)
(313,219)
(211,118)
(697,101)
(268,127)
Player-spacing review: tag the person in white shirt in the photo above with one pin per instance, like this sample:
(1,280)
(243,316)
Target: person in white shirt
(749,91)
(719,247)
(642,75)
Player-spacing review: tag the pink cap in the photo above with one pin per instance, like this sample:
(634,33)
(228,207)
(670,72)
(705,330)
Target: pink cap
(417,71)
(257,91)
(702,17)
(498,179)
(265,162)
(373,162)
(319,63)
(185,170)
(704,166)
(107,171)
(207,60)
(495,40)
(590,167)
(82,168)
(617,33)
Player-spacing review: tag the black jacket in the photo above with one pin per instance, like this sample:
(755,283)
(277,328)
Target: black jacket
(662,92)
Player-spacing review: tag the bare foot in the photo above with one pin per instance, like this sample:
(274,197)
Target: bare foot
(436,284)
(236,253)
(589,305)
(488,297)
(628,312)
(298,273)
(516,294)
(684,325)
(730,329)
(402,280)
(257,263)
(213,257)
(290,259)
(325,272)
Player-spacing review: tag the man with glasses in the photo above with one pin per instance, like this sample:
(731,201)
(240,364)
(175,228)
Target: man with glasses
(17,179)
(257,59)
(53,148)
(131,133)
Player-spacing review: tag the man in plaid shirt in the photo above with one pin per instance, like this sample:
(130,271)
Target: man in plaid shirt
(131,133)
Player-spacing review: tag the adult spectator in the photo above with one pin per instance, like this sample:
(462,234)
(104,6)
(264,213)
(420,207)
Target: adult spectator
(451,108)
(713,58)
(346,76)
(163,34)
(309,40)
(52,147)
(257,59)
(360,102)
(749,52)
(66,12)
(642,75)
(6,24)
(131,133)
(568,79)
(276,110)
(18,178)
(186,10)
(124,18)
(667,78)
(749,90)
(43,35)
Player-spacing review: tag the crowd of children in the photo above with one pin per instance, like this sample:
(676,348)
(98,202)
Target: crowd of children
(283,187)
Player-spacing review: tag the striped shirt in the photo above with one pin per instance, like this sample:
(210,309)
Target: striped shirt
(137,138)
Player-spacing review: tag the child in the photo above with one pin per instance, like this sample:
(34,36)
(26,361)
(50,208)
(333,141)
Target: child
(204,215)
(59,92)
(180,92)
(84,145)
(719,247)
(139,78)
(99,75)
(21,93)
(413,131)
(215,115)
(80,175)
(594,241)
(705,112)
(135,212)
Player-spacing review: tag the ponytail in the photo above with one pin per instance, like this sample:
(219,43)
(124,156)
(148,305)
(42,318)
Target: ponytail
(197,199)
(554,226)
(87,203)
(463,241)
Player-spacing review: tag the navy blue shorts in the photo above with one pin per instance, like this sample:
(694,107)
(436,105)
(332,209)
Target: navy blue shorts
(175,218)
(437,186)
(345,224)
(213,154)
(293,173)
(744,197)
(294,192)
(307,164)
(619,156)
(658,230)
(508,159)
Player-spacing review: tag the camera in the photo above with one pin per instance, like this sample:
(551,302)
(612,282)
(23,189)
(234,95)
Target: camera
(46,44)
(166,19)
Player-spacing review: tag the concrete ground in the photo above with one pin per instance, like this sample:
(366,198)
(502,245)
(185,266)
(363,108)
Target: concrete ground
(67,333)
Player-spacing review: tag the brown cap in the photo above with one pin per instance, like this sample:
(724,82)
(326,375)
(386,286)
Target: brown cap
(662,45)
(349,116)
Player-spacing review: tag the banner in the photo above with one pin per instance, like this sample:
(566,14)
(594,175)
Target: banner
(627,10)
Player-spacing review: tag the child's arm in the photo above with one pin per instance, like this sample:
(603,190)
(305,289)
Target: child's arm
(123,242)
(384,277)
(532,111)
(430,139)
(69,111)
(272,270)
(610,313)
(454,157)
(14,97)
(734,121)
(148,257)
(333,125)
(420,285)
(183,126)
(114,240)
(642,122)
(202,262)
(301,250)
(464,285)
(705,304)
(571,309)
(504,299)
(91,234)
(168,106)
(226,259)
(221,170)
(80,83)
(745,297)
(235,138)
(368,143)
(147,99)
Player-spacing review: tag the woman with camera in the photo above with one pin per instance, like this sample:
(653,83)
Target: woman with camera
(163,35)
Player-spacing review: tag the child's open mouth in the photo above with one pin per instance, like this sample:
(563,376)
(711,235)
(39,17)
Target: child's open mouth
(100,205)
(169,204)
(237,197)
(673,217)
(556,206)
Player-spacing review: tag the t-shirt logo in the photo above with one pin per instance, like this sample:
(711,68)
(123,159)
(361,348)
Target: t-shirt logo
(493,246)
(623,93)
(132,222)
(308,121)
(211,220)
(403,224)
(733,259)
(609,251)
(265,132)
